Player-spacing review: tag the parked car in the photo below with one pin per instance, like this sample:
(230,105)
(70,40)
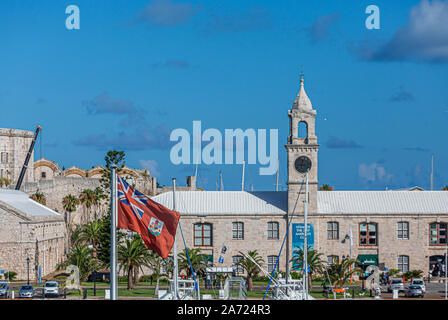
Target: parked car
(4,289)
(414,291)
(26,291)
(396,284)
(419,282)
(51,288)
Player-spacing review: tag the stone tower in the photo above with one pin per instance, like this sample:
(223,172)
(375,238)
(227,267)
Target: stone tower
(302,142)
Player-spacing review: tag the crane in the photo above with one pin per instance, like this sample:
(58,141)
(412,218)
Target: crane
(27,159)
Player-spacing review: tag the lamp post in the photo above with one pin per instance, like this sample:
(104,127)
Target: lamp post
(28,270)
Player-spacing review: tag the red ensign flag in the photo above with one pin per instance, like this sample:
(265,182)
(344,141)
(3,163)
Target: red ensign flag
(155,223)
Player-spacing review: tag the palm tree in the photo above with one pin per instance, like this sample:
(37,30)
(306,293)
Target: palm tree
(314,261)
(250,267)
(81,256)
(69,203)
(87,200)
(91,234)
(133,254)
(39,197)
(156,263)
(198,261)
(340,272)
(98,196)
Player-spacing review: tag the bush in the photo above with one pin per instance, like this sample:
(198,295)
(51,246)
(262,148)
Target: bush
(295,275)
(413,274)
(11,275)
(145,278)
(122,279)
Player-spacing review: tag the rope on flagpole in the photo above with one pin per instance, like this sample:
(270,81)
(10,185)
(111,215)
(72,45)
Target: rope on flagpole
(281,248)
(188,257)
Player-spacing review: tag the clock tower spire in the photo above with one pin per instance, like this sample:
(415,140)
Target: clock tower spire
(302,151)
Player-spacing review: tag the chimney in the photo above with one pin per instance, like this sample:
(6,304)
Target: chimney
(191,183)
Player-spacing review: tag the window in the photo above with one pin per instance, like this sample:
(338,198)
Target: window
(332,259)
(238,230)
(43,175)
(403,263)
(238,269)
(202,234)
(273,230)
(333,230)
(368,234)
(403,230)
(437,234)
(271,263)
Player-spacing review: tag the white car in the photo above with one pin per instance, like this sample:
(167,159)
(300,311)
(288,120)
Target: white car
(419,282)
(51,288)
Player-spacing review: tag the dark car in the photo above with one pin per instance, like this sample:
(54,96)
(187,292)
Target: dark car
(414,291)
(4,289)
(26,291)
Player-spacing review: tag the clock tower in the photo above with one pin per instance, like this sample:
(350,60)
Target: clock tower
(302,151)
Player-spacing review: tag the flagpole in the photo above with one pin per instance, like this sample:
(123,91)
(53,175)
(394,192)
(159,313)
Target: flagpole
(113,234)
(305,242)
(176,268)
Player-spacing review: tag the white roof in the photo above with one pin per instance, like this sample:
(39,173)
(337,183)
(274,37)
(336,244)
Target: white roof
(382,202)
(225,202)
(22,202)
(328,202)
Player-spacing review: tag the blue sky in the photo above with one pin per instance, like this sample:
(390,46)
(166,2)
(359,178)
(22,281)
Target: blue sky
(136,70)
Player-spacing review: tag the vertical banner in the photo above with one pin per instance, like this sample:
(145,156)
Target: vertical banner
(298,239)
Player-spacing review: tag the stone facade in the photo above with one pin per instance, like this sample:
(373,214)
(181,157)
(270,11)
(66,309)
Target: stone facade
(14,146)
(41,239)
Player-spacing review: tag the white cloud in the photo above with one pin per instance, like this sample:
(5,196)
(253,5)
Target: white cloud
(373,172)
(152,166)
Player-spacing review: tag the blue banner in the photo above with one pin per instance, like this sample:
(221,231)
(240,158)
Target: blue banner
(298,239)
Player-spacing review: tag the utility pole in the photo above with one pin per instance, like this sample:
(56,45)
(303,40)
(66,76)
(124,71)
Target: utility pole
(305,242)
(278,168)
(432,171)
(113,234)
(176,267)
(242,178)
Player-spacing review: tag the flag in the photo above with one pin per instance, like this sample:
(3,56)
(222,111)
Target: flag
(155,223)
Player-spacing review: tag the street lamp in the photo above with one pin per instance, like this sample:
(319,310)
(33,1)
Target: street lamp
(28,269)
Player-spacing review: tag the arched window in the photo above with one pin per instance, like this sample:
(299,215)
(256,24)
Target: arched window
(273,230)
(368,234)
(238,230)
(437,233)
(203,234)
(302,130)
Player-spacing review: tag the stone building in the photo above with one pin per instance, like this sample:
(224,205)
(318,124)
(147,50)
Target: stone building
(14,145)
(31,231)
(405,229)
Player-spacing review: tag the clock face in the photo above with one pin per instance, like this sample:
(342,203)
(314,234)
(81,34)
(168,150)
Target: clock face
(302,164)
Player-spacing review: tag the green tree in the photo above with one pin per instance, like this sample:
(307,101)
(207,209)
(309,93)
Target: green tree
(250,267)
(97,200)
(340,271)
(314,262)
(198,261)
(82,257)
(445,188)
(113,157)
(326,187)
(393,272)
(132,254)
(69,203)
(91,234)
(87,199)
(156,264)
